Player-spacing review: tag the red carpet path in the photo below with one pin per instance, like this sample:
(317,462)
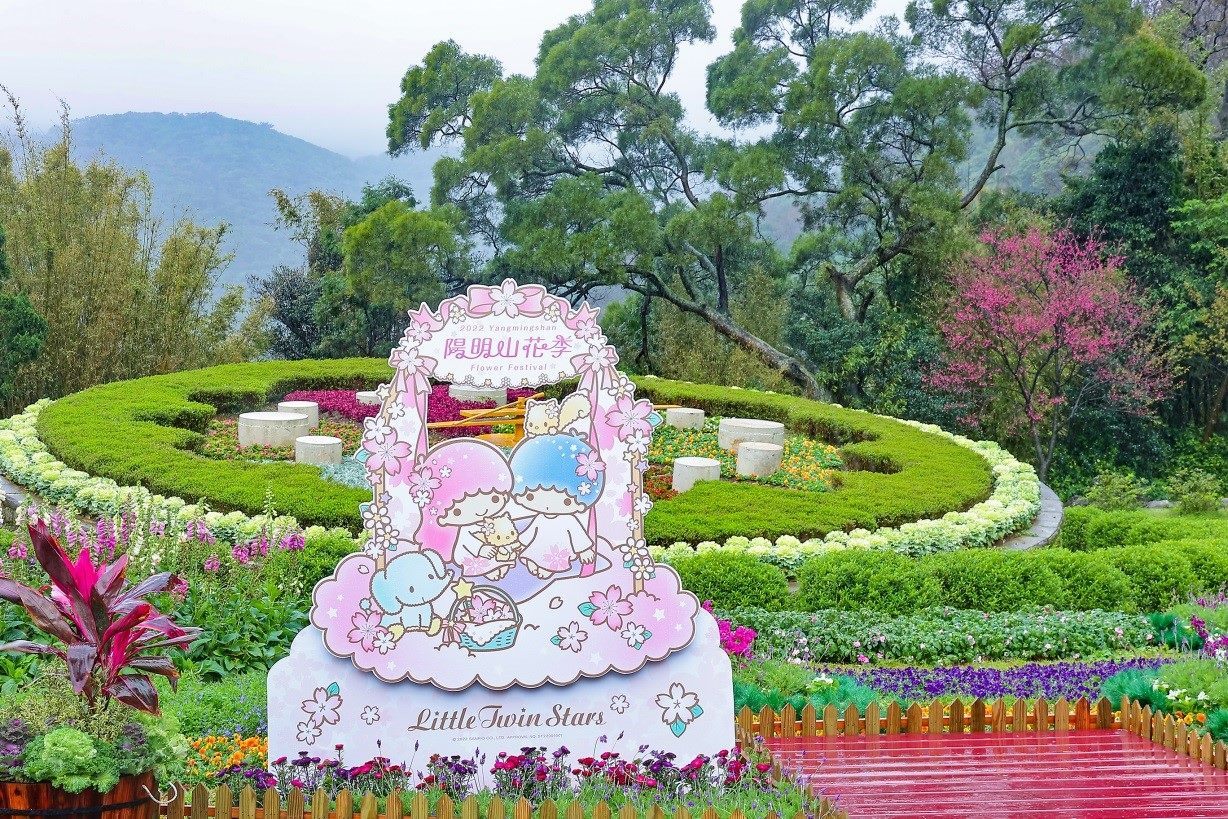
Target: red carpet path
(1085,774)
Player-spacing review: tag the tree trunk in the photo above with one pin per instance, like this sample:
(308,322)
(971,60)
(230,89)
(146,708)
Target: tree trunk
(1213,411)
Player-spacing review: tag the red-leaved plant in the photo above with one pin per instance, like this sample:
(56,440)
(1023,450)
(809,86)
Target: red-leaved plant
(110,637)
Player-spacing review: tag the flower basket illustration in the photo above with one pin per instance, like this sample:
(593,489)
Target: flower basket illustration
(490,618)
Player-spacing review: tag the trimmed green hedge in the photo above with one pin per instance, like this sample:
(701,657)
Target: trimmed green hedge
(143,431)
(1146,577)
(1085,528)
(903,474)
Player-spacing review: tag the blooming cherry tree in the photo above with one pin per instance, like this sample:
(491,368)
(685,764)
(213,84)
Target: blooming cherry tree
(1041,326)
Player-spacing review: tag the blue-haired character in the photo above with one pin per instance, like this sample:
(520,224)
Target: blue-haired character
(558,478)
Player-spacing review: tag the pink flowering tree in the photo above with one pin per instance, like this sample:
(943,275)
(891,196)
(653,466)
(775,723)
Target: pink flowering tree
(1040,327)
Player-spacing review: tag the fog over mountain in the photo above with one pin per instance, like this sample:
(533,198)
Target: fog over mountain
(216,169)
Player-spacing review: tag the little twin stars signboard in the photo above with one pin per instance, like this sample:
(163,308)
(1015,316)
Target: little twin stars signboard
(504,597)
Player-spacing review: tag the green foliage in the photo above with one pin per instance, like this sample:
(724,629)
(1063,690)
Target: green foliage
(899,473)
(733,579)
(1135,684)
(941,636)
(22,330)
(993,580)
(1089,581)
(236,704)
(853,579)
(142,432)
(243,629)
(1160,576)
(1202,683)
(1195,491)
(120,295)
(69,760)
(1217,724)
(1085,528)
(774,684)
(1191,452)
(1116,491)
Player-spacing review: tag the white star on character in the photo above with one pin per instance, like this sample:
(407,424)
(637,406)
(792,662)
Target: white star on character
(332,614)
(658,615)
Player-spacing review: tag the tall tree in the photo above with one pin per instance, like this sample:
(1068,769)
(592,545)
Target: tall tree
(122,295)
(22,330)
(585,173)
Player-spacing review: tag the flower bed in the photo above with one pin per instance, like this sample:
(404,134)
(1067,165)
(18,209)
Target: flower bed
(143,432)
(806,464)
(1071,680)
(222,441)
(942,636)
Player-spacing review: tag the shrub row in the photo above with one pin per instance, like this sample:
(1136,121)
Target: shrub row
(901,473)
(1085,528)
(143,432)
(941,635)
(1142,578)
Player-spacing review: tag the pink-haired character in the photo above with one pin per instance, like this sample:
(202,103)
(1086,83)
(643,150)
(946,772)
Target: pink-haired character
(474,484)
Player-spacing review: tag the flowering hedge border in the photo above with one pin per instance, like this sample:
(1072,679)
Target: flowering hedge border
(901,459)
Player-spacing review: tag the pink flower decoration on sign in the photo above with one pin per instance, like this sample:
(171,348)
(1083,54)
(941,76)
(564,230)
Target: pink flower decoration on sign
(386,456)
(506,300)
(609,608)
(589,465)
(366,628)
(630,416)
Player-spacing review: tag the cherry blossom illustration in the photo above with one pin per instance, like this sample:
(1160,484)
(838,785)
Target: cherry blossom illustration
(619,703)
(370,714)
(606,608)
(679,708)
(570,637)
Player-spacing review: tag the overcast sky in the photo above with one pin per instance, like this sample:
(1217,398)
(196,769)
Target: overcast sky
(323,70)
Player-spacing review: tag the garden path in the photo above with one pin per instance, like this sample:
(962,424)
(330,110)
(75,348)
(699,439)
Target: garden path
(1090,774)
(1044,529)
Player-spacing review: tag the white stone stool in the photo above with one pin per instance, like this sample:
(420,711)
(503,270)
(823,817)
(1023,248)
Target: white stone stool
(320,450)
(478,395)
(689,471)
(758,460)
(309,408)
(367,397)
(733,431)
(685,418)
(272,428)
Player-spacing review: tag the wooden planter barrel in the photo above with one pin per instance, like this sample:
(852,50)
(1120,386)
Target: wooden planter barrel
(129,799)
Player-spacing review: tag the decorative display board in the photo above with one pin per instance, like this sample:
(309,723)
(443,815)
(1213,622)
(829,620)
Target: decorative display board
(493,582)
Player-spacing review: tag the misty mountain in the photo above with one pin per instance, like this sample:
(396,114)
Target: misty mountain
(216,169)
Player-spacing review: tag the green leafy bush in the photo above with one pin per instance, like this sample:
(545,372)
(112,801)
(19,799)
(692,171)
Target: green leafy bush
(1089,580)
(1161,577)
(774,684)
(1115,491)
(733,579)
(993,580)
(1135,684)
(1084,528)
(237,704)
(1195,491)
(1208,561)
(855,579)
(940,636)
(245,627)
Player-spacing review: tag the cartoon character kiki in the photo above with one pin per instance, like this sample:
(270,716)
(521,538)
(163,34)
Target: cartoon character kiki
(474,482)
(550,417)
(501,538)
(551,483)
(411,591)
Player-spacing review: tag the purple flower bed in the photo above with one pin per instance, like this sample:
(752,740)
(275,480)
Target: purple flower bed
(440,406)
(1049,680)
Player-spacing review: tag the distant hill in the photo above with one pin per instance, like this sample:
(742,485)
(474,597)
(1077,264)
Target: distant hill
(217,169)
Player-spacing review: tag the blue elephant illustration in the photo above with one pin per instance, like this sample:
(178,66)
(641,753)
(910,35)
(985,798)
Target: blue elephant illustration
(409,591)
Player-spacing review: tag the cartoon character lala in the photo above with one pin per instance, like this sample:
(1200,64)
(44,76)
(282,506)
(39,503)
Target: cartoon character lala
(472,482)
(557,478)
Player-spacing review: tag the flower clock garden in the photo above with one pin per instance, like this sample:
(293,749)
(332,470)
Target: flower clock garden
(156,570)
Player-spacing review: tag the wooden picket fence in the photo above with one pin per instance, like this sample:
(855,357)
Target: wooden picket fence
(201,803)
(933,718)
(1164,730)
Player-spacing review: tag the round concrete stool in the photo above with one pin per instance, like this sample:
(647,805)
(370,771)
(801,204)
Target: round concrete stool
(684,418)
(272,428)
(320,450)
(367,397)
(309,408)
(733,431)
(689,471)
(757,459)
(478,395)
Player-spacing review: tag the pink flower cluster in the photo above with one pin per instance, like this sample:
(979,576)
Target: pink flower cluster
(738,641)
(440,406)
